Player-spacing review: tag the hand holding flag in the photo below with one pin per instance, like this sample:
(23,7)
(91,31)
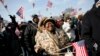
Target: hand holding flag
(13,18)
(80,48)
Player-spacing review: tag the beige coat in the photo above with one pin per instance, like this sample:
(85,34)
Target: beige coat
(51,43)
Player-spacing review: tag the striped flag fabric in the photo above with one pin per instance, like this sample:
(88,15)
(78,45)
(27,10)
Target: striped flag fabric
(80,48)
(2,1)
(20,12)
(49,4)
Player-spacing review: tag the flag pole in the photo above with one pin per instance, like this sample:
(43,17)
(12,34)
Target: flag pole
(24,18)
(7,10)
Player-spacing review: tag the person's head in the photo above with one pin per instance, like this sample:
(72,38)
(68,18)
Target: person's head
(29,21)
(67,18)
(97,3)
(1,19)
(41,24)
(59,23)
(35,18)
(11,27)
(49,25)
(98,8)
(80,17)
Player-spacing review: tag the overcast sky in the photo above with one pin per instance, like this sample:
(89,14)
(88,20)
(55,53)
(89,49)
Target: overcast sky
(40,7)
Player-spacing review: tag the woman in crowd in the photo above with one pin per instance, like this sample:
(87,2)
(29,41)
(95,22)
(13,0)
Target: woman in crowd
(51,40)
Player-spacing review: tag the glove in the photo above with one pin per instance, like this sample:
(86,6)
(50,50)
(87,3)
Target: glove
(12,18)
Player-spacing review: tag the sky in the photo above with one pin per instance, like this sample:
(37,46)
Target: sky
(40,7)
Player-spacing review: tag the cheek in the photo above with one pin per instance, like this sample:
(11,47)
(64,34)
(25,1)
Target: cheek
(48,25)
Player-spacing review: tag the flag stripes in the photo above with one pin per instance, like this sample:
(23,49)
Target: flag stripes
(80,48)
(20,12)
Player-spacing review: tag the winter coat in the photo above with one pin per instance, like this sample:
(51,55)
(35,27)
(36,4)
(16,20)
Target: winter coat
(69,31)
(91,29)
(51,43)
(29,37)
(12,44)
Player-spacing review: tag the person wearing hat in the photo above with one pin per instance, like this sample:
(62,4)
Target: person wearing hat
(11,46)
(39,32)
(35,19)
(91,29)
(29,35)
(59,23)
(67,27)
(41,24)
(51,39)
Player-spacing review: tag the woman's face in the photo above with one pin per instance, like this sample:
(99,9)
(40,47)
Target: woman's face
(49,26)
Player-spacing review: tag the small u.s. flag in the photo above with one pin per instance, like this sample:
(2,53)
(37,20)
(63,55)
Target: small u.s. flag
(49,4)
(20,12)
(80,48)
(2,1)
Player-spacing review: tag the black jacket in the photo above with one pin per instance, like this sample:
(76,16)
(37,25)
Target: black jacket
(3,45)
(9,41)
(29,36)
(91,28)
(10,44)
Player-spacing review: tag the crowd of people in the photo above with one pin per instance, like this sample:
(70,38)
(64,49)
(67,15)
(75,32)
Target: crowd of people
(36,37)
(48,36)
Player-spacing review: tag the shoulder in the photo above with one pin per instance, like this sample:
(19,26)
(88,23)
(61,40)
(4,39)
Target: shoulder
(65,24)
(1,34)
(40,34)
(60,31)
(89,14)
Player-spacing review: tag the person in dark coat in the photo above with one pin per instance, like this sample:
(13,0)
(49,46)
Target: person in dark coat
(91,29)
(79,25)
(22,30)
(10,39)
(29,35)
(3,45)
